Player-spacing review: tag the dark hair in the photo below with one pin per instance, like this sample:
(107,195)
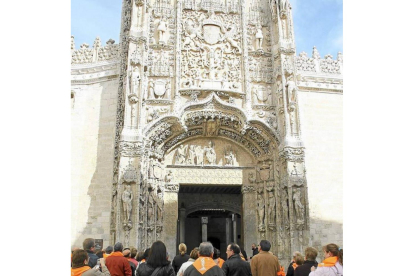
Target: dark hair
(88,243)
(265,245)
(140,256)
(109,249)
(194,253)
(158,255)
(118,247)
(235,248)
(334,249)
(311,253)
(79,257)
(134,252)
(99,253)
(146,253)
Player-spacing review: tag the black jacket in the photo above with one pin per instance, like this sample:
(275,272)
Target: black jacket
(146,270)
(305,269)
(255,251)
(93,259)
(178,261)
(290,271)
(235,266)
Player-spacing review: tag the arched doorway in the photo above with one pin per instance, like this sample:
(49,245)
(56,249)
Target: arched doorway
(210,213)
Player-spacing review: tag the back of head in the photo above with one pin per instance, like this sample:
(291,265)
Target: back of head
(79,257)
(235,247)
(311,253)
(296,253)
(109,249)
(299,259)
(216,253)
(182,248)
(157,255)
(194,253)
(88,243)
(265,245)
(126,252)
(134,252)
(335,250)
(206,249)
(118,247)
(140,256)
(146,253)
(99,253)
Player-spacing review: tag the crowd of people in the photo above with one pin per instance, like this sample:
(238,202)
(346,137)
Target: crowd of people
(203,260)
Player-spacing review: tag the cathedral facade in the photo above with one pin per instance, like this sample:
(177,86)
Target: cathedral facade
(204,124)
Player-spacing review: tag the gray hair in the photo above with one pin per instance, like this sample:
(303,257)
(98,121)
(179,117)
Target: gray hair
(118,247)
(206,249)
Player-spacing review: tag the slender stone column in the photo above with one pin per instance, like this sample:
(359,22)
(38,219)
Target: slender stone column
(170,217)
(182,225)
(234,219)
(204,221)
(228,231)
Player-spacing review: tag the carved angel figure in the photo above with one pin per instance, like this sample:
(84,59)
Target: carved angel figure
(229,33)
(181,154)
(127,203)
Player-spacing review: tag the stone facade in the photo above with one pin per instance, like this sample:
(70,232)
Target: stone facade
(206,93)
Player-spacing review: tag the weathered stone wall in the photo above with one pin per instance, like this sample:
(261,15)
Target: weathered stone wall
(321,124)
(93,131)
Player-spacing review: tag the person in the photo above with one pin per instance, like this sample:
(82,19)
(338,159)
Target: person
(333,263)
(292,265)
(255,250)
(298,261)
(99,253)
(157,263)
(89,246)
(108,251)
(216,258)
(310,256)
(235,266)
(140,257)
(80,267)
(71,253)
(133,255)
(191,260)
(244,253)
(146,254)
(181,258)
(204,265)
(117,264)
(127,254)
(264,263)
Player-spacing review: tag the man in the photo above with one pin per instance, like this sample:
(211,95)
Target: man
(205,264)
(264,263)
(117,264)
(291,268)
(235,266)
(134,253)
(127,255)
(108,251)
(89,246)
(310,256)
(255,250)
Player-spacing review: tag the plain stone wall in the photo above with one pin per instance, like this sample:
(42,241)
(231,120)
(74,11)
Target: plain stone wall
(322,129)
(93,121)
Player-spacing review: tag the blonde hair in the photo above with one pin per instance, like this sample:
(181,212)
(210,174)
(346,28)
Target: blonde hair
(182,248)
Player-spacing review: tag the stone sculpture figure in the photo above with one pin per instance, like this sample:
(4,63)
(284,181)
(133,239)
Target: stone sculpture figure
(210,153)
(114,193)
(259,37)
(151,90)
(127,203)
(191,155)
(159,207)
(291,88)
(299,209)
(180,154)
(199,155)
(162,28)
(168,177)
(261,208)
(285,210)
(151,203)
(271,208)
(230,158)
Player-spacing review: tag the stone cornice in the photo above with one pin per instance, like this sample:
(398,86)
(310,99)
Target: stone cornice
(92,73)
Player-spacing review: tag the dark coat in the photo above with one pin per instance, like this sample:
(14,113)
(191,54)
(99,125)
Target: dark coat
(305,269)
(93,259)
(214,271)
(146,270)
(290,271)
(178,261)
(255,251)
(235,266)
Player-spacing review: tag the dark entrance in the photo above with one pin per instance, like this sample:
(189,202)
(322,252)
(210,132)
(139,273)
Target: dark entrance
(218,208)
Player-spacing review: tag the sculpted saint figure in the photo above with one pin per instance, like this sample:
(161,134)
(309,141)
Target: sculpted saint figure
(180,154)
(199,157)
(272,204)
(191,155)
(261,208)
(230,158)
(285,209)
(291,88)
(299,209)
(162,28)
(127,202)
(210,153)
(259,37)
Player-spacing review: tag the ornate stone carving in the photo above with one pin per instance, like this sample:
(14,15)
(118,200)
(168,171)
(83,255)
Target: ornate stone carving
(130,149)
(194,175)
(130,173)
(292,154)
(230,158)
(285,208)
(315,53)
(172,187)
(248,189)
(127,204)
(261,209)
(161,28)
(210,154)
(328,65)
(299,208)
(303,63)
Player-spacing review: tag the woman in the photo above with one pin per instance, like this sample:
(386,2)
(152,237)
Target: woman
(80,266)
(333,263)
(193,257)
(157,262)
(181,258)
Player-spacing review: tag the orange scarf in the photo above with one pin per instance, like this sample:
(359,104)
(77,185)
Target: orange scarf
(116,254)
(294,266)
(220,262)
(106,255)
(79,271)
(203,264)
(281,272)
(331,261)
